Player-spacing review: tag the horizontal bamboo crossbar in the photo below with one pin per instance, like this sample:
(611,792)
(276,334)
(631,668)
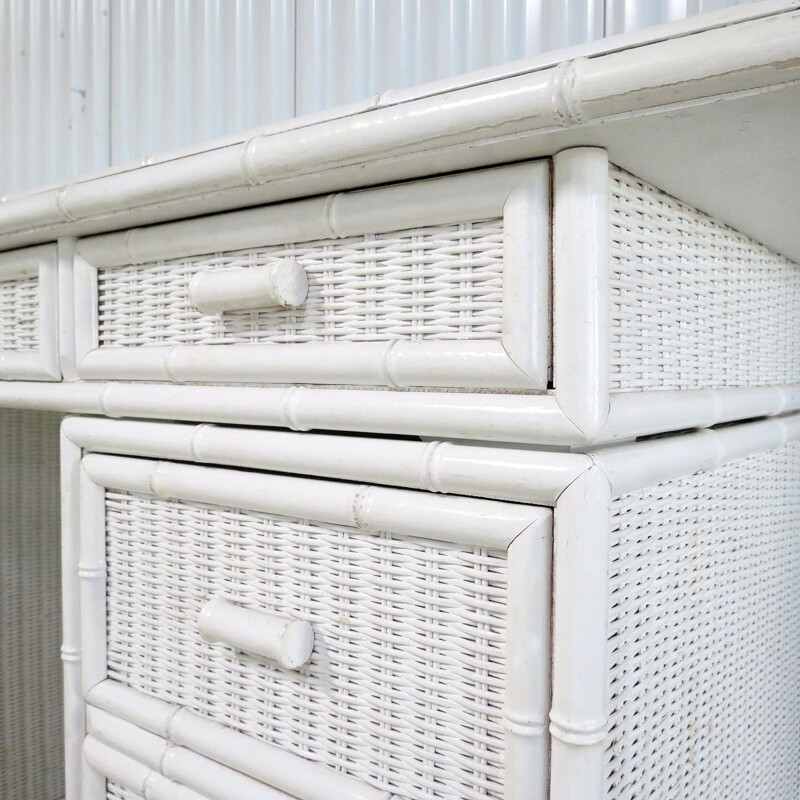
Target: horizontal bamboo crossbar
(126,714)
(470,521)
(402,134)
(533,419)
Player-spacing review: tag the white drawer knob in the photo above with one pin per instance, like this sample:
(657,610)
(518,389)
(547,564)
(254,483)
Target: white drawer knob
(283,639)
(281,284)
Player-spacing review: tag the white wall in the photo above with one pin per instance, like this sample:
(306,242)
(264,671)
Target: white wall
(89,83)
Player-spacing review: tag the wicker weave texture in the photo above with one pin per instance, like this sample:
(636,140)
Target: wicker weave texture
(406,683)
(116,792)
(704,633)
(19,314)
(694,303)
(442,282)
(31,725)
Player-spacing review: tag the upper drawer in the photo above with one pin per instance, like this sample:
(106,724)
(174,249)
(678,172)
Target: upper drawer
(28,314)
(430,617)
(435,283)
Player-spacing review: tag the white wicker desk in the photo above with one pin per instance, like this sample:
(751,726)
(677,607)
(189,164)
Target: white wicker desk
(515,260)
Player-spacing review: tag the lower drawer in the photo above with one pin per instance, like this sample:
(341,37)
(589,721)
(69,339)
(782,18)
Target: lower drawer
(675,615)
(201,587)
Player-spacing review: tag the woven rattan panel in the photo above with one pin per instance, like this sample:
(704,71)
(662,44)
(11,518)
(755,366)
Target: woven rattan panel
(116,792)
(19,314)
(31,725)
(704,633)
(405,687)
(442,282)
(694,303)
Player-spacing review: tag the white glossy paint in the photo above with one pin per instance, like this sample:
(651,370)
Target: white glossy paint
(196,749)
(260,760)
(581,291)
(42,363)
(283,639)
(520,360)
(71,621)
(609,100)
(525,419)
(477,522)
(578,709)
(519,474)
(118,80)
(283,284)
(580,616)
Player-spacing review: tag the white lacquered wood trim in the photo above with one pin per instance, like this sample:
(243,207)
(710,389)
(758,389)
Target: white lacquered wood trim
(516,474)
(298,221)
(185,768)
(635,466)
(49,354)
(642,413)
(41,364)
(92,579)
(527,690)
(282,284)
(578,716)
(581,294)
(524,419)
(22,264)
(85,311)
(404,133)
(70,615)
(475,195)
(146,747)
(286,640)
(526,274)
(183,728)
(520,361)
(372,509)
(132,775)
(533,419)
(395,364)
(66,309)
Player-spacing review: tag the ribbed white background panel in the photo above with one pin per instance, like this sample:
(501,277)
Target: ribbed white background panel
(350,49)
(54,101)
(184,70)
(630,15)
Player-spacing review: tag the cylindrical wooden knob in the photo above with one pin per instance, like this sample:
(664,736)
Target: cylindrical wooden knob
(283,639)
(281,284)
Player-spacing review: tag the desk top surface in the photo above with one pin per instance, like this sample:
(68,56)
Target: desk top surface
(708,109)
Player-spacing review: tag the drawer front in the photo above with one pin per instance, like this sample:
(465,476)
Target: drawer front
(28,314)
(430,616)
(440,283)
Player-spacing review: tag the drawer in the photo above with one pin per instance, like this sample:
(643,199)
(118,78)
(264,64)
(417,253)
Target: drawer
(673,604)
(29,314)
(432,283)
(321,638)
(663,318)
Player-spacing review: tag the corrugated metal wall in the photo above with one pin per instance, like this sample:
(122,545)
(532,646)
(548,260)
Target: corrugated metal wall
(350,49)
(187,70)
(54,90)
(89,83)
